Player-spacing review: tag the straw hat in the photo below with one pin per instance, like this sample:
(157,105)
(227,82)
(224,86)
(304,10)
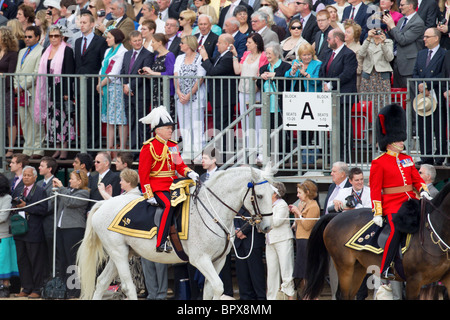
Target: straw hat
(423,105)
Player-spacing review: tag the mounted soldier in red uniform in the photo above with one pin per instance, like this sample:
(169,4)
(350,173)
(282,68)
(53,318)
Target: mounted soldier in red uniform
(159,163)
(393,179)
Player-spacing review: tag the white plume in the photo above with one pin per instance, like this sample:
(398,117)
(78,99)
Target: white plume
(157,114)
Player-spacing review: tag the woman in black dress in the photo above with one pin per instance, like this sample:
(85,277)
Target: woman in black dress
(8,60)
(56,107)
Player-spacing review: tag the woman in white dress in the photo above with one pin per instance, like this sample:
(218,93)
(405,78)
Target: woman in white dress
(252,59)
(190,98)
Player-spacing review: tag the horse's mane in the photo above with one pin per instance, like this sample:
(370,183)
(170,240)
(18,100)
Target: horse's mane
(441,195)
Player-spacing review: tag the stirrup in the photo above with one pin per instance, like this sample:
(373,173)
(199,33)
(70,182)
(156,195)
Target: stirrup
(165,247)
(388,274)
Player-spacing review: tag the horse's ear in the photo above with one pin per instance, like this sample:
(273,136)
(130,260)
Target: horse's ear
(269,172)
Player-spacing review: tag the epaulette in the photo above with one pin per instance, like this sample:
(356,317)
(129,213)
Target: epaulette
(379,156)
(149,140)
(173,141)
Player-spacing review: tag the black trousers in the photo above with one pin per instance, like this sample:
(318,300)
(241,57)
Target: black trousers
(433,126)
(32,263)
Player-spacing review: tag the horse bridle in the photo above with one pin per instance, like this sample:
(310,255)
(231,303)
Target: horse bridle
(254,218)
(445,248)
(257,216)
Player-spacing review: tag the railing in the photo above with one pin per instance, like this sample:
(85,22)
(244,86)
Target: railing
(219,116)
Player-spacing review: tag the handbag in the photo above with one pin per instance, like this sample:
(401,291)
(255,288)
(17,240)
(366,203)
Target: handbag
(19,225)
(55,288)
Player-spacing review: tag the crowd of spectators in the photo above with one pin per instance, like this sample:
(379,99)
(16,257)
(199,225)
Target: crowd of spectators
(306,40)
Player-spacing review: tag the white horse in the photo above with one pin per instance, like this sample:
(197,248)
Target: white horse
(210,227)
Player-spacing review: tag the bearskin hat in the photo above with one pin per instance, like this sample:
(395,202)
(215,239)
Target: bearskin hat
(390,125)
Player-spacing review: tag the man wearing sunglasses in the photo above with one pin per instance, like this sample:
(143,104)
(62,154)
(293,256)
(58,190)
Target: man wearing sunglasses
(304,14)
(28,62)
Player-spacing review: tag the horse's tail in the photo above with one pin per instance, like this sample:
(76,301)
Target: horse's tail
(89,256)
(317,258)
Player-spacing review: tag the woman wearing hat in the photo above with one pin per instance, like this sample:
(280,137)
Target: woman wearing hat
(393,178)
(159,161)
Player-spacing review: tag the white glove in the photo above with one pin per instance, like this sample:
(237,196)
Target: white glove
(152,201)
(193,175)
(426,195)
(378,220)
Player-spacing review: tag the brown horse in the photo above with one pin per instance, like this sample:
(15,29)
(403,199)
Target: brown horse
(426,260)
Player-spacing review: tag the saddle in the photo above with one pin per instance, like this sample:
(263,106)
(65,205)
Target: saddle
(140,219)
(373,238)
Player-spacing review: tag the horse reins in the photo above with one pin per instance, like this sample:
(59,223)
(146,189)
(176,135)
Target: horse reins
(430,227)
(254,219)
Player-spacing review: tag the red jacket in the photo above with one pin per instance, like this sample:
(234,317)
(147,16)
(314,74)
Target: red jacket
(390,170)
(159,161)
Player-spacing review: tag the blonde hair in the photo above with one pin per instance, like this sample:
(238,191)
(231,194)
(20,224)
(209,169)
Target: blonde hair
(191,41)
(306,48)
(16,28)
(209,11)
(130,176)
(189,15)
(8,40)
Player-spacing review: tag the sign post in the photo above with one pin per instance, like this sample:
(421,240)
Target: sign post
(307,111)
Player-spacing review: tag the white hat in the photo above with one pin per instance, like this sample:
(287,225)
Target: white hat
(423,105)
(52,3)
(158,117)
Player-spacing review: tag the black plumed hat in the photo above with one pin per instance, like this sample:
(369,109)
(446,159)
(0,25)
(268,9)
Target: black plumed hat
(390,125)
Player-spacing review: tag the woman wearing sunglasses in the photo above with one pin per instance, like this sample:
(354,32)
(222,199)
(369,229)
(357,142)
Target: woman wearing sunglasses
(290,45)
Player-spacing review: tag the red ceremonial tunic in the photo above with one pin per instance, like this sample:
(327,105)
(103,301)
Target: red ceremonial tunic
(391,170)
(159,160)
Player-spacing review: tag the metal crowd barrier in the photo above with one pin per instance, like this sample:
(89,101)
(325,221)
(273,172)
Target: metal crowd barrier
(240,125)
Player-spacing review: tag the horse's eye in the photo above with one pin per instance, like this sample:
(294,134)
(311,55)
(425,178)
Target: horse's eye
(259,196)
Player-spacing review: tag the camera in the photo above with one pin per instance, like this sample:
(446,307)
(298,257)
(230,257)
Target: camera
(49,12)
(378,32)
(442,22)
(16,201)
(385,12)
(350,202)
(101,13)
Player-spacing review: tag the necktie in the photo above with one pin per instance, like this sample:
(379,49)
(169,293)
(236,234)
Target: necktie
(25,192)
(160,16)
(330,61)
(14,183)
(404,23)
(25,55)
(430,52)
(207,176)
(44,184)
(320,42)
(99,179)
(201,40)
(133,59)
(84,46)
(353,13)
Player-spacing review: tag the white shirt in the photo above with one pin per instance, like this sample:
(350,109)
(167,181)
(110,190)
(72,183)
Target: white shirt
(365,197)
(335,193)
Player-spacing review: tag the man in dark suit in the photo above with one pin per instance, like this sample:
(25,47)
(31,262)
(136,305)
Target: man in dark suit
(228,11)
(407,36)
(240,40)
(341,63)
(31,248)
(428,11)
(89,53)
(171,29)
(176,6)
(221,92)
(359,12)
(206,38)
(429,64)
(320,39)
(308,20)
(250,272)
(105,175)
(209,163)
(18,162)
(133,88)
(47,169)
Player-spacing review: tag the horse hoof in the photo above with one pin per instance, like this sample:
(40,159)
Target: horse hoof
(226,297)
